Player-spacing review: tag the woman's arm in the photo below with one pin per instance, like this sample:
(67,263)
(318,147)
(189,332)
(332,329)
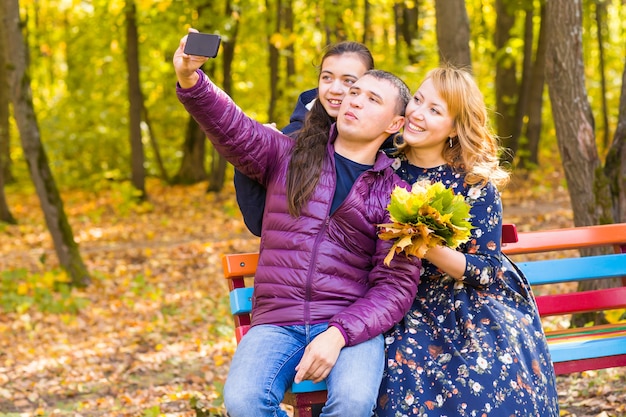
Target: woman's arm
(447,260)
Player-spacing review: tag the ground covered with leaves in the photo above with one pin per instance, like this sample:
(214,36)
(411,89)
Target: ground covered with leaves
(152,335)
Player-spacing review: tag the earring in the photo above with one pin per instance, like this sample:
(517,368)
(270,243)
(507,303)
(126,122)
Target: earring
(450,141)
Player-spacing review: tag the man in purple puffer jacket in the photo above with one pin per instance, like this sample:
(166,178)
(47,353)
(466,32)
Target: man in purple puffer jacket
(323,295)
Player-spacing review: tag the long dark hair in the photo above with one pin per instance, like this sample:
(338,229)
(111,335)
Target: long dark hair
(307,157)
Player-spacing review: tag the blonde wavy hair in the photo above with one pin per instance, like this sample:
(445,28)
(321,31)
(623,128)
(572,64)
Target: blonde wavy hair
(476,150)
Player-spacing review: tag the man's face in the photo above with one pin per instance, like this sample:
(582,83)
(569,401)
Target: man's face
(369,110)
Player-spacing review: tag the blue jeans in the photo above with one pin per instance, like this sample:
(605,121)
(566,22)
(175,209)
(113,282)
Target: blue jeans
(263,368)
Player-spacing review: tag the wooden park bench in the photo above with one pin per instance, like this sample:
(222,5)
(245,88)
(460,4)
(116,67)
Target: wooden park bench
(572,350)
(578,349)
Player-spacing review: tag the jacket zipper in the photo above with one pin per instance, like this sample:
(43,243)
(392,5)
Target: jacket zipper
(307,297)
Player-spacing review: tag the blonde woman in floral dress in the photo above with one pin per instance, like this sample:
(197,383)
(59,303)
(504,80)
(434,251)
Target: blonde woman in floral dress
(472,343)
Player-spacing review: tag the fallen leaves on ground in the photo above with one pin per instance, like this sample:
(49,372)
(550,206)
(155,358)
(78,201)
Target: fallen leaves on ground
(156,331)
(156,335)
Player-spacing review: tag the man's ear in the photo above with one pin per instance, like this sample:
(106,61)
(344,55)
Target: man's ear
(396,124)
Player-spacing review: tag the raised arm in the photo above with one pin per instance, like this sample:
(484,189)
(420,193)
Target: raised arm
(251,147)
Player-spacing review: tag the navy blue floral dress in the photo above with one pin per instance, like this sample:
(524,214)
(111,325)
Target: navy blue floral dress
(475,346)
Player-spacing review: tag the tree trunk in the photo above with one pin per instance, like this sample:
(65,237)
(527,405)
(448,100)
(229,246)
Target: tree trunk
(138,176)
(535,98)
(218,163)
(523,94)
(292,94)
(334,26)
(367,28)
(273,25)
(290,59)
(218,172)
(228,52)
(49,197)
(154,143)
(5,99)
(5,148)
(588,187)
(5,211)
(615,167)
(573,119)
(600,29)
(506,81)
(408,18)
(192,168)
(453,33)
(397,23)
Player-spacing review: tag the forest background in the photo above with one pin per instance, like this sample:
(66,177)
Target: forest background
(114,211)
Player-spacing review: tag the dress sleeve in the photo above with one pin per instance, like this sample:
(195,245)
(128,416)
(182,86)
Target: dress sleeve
(482,251)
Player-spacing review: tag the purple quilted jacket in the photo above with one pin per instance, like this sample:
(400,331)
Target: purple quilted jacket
(321,267)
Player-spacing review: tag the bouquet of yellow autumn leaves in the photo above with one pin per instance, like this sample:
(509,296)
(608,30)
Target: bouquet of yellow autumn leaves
(427,216)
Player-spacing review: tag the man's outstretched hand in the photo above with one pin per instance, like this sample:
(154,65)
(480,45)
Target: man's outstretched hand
(320,356)
(186,65)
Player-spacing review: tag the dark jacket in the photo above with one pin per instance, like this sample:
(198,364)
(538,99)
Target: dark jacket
(320,267)
(250,194)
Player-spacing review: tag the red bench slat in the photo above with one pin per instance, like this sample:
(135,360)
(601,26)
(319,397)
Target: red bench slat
(590,364)
(582,302)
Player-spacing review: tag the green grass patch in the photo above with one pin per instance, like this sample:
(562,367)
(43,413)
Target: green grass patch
(48,292)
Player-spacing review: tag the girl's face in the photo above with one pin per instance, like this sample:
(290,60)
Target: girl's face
(338,74)
(429,124)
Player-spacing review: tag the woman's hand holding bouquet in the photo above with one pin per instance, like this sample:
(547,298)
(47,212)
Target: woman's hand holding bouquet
(427,216)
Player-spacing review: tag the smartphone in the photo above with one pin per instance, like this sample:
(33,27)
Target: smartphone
(202,44)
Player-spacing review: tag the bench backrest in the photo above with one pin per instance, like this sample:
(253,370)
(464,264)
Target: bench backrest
(575,269)
(237,267)
(577,349)
(573,350)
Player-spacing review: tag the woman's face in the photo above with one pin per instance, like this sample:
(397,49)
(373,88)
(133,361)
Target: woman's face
(429,123)
(338,74)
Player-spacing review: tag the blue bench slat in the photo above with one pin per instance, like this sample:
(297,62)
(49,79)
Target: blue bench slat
(574,269)
(241,300)
(588,348)
(308,386)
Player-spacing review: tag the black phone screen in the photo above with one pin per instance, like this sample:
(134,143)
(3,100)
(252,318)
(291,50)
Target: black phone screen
(202,44)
